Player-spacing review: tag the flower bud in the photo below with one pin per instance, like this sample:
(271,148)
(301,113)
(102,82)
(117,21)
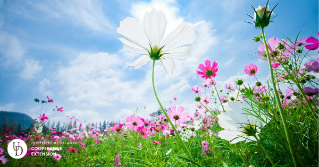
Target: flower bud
(257,39)
(258,84)
(239,82)
(197,99)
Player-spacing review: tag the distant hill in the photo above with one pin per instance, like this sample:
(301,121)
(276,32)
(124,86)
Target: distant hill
(25,119)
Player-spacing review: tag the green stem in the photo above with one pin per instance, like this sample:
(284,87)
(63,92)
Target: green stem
(293,154)
(241,156)
(259,142)
(295,80)
(219,98)
(177,134)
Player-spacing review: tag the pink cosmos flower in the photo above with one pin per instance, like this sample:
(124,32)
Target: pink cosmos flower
(213,82)
(146,122)
(117,159)
(197,89)
(162,127)
(289,92)
(206,83)
(313,43)
(313,65)
(175,98)
(302,41)
(229,87)
(3,159)
(224,99)
(78,150)
(260,89)
(274,53)
(199,106)
(205,144)
(133,122)
(59,109)
(43,118)
(142,131)
(57,156)
(251,69)
(209,71)
(49,100)
(71,149)
(179,115)
(156,142)
(309,91)
(117,128)
(204,99)
(196,115)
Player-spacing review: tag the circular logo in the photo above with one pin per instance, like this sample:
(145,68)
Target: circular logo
(17,148)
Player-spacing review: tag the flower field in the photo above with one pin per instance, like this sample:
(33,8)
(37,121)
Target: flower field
(271,123)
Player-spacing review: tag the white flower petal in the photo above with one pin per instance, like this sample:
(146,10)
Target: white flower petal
(140,62)
(182,35)
(131,29)
(226,122)
(228,134)
(237,140)
(156,63)
(179,53)
(154,25)
(132,47)
(168,64)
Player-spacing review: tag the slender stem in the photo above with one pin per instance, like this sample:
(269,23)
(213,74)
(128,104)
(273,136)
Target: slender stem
(177,134)
(293,154)
(259,142)
(241,156)
(300,90)
(219,98)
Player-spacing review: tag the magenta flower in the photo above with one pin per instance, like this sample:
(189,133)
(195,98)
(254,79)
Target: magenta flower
(205,144)
(310,91)
(162,127)
(57,156)
(302,41)
(117,159)
(133,122)
(313,65)
(59,109)
(251,69)
(289,92)
(229,87)
(43,118)
(71,149)
(3,159)
(204,99)
(179,115)
(49,100)
(199,106)
(209,71)
(175,98)
(142,131)
(117,128)
(156,142)
(313,43)
(197,89)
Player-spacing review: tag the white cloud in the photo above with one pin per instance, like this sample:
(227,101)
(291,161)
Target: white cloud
(30,69)
(11,50)
(44,86)
(230,61)
(83,13)
(7,107)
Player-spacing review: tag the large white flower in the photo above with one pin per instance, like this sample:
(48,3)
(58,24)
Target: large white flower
(148,40)
(238,126)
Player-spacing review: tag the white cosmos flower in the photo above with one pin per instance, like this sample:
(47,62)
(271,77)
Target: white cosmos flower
(148,40)
(237,125)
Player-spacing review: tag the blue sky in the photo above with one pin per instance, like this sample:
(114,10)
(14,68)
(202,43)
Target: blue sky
(69,50)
